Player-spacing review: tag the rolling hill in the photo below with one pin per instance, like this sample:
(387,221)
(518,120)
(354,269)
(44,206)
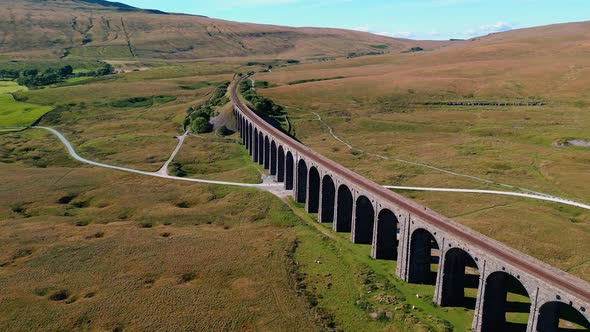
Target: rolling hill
(93,29)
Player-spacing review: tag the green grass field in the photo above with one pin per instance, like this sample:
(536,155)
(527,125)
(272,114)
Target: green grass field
(14,113)
(11,87)
(210,157)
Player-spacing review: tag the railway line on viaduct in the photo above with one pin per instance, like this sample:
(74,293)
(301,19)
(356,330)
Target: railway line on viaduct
(414,236)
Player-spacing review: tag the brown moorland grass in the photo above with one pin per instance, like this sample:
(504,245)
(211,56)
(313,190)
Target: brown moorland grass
(71,28)
(381,107)
(86,115)
(86,248)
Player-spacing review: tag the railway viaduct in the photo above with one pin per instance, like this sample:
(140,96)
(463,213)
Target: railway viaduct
(416,237)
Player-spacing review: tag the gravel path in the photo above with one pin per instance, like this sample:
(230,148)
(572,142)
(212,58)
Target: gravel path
(277,189)
(273,187)
(164,169)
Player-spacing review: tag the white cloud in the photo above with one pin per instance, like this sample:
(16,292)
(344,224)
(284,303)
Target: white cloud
(397,34)
(487,29)
(400,34)
(363,28)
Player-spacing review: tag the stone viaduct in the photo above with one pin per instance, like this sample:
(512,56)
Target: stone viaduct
(416,237)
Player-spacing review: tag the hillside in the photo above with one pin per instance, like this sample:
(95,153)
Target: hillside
(75,28)
(434,108)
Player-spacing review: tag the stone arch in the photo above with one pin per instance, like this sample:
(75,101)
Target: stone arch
(273,158)
(289,170)
(260,148)
(557,316)
(460,271)
(344,210)
(281,164)
(496,305)
(313,194)
(266,153)
(243,131)
(328,200)
(255,145)
(364,220)
(422,243)
(386,237)
(301,181)
(249,140)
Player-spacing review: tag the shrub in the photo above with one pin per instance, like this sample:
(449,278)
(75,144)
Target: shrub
(200,125)
(59,295)
(186,277)
(22,253)
(82,223)
(183,205)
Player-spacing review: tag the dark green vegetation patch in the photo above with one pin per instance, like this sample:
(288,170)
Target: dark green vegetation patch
(198,85)
(315,80)
(142,101)
(265,107)
(37,74)
(199,116)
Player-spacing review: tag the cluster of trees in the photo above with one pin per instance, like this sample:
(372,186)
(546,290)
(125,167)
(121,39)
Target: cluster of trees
(262,105)
(10,74)
(199,116)
(36,77)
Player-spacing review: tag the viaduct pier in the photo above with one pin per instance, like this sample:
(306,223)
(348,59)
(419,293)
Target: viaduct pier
(402,230)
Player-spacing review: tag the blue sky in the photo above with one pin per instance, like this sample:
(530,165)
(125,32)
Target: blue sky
(416,19)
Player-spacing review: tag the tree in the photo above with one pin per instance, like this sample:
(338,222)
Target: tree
(107,70)
(8,73)
(30,72)
(200,125)
(66,71)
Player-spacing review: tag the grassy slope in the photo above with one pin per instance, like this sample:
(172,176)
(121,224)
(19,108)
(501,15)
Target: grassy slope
(10,87)
(219,267)
(14,113)
(379,108)
(91,31)
(84,113)
(213,158)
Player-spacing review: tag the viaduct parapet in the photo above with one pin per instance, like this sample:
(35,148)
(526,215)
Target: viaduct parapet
(414,236)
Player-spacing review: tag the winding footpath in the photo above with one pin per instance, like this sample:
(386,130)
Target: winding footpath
(164,169)
(527,192)
(265,186)
(277,189)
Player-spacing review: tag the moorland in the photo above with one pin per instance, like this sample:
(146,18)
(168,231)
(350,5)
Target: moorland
(85,248)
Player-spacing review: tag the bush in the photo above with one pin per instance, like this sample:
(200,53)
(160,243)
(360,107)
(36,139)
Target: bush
(60,295)
(199,116)
(200,125)
(9,73)
(178,171)
(142,101)
(186,277)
